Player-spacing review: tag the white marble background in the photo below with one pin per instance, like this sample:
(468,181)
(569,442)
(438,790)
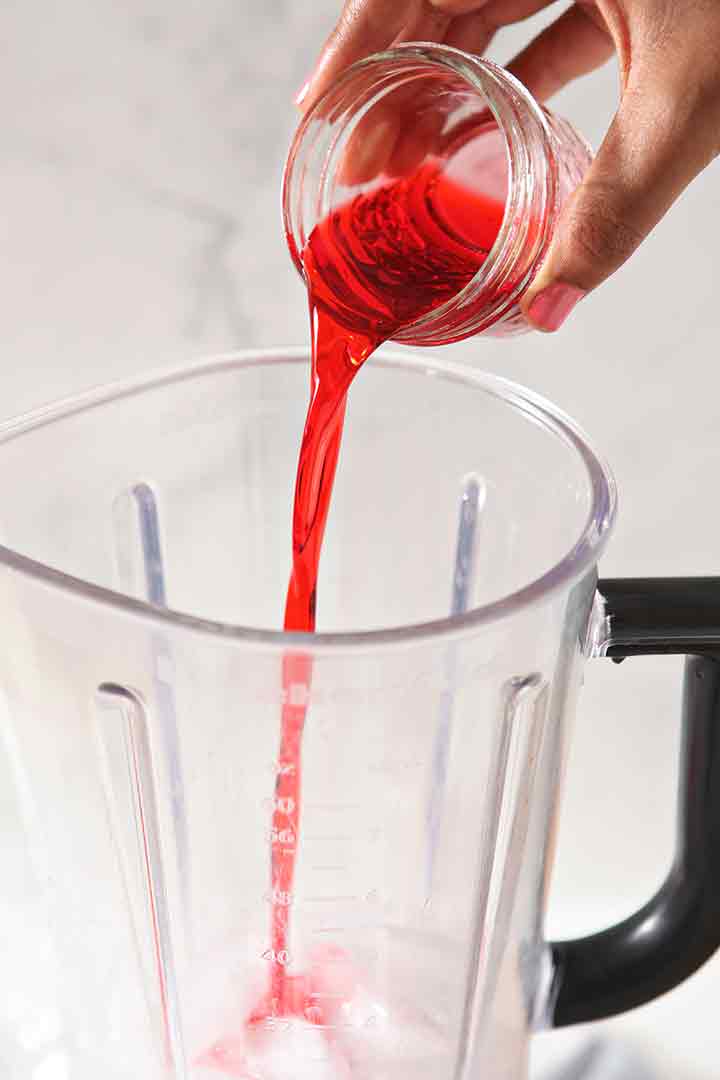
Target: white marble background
(141,146)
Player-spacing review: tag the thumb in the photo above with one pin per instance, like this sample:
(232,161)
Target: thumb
(658,142)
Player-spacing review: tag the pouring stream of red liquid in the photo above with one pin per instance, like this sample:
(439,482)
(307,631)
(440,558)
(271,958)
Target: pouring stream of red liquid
(375,264)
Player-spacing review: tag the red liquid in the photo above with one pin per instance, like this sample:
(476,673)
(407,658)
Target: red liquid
(376,264)
(386,258)
(373,266)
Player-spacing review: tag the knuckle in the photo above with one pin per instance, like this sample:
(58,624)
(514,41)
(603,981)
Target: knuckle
(669,31)
(678,59)
(681,113)
(658,25)
(596,234)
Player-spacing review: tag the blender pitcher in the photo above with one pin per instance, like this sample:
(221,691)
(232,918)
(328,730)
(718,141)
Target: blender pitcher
(145,550)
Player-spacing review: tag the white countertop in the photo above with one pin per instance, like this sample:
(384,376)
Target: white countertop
(142,146)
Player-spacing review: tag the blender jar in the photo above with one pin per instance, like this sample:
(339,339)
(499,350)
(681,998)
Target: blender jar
(145,549)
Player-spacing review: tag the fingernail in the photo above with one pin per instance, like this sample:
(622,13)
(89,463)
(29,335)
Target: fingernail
(302,93)
(552,305)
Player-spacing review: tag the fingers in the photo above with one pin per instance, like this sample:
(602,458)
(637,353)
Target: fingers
(425,23)
(497,13)
(417,140)
(395,136)
(661,138)
(570,47)
(370,147)
(368,26)
(470,33)
(365,27)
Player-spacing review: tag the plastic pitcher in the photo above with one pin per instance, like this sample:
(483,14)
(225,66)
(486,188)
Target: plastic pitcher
(146,533)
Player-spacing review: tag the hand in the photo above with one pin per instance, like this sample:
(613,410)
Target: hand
(665,132)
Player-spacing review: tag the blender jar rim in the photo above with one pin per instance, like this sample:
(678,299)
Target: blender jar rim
(581,557)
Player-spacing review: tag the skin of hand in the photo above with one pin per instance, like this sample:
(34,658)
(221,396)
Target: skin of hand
(665,132)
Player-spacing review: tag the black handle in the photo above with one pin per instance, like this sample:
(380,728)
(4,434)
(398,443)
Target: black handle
(679,929)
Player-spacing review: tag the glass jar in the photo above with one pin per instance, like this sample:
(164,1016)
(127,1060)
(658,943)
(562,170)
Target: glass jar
(482,130)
